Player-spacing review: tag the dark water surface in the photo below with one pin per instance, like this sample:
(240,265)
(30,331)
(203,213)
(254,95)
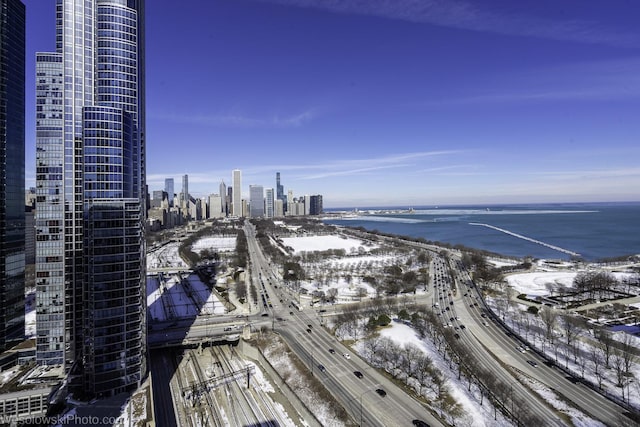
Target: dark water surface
(594,231)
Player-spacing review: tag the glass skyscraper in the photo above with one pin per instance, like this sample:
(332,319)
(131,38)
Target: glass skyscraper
(168,188)
(280,192)
(12,205)
(256,201)
(90,151)
(184,202)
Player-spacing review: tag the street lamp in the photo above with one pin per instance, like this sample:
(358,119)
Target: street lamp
(362,394)
(311,354)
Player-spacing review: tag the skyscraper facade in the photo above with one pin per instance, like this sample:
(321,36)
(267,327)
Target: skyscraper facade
(280,191)
(256,201)
(236,178)
(184,202)
(223,195)
(269,205)
(12,215)
(91,192)
(316,205)
(168,188)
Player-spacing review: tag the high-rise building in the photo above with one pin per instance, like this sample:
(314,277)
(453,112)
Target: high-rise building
(223,195)
(269,211)
(256,201)
(237,192)
(12,208)
(91,196)
(185,200)
(316,205)
(168,188)
(280,191)
(216,208)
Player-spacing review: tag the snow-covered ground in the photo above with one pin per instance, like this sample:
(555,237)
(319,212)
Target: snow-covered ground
(169,297)
(166,256)
(537,283)
(323,243)
(476,414)
(218,244)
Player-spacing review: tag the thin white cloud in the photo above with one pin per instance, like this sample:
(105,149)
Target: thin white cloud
(592,174)
(239,121)
(604,80)
(360,166)
(467,16)
(353,171)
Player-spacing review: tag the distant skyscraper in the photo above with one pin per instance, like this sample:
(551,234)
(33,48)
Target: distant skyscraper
(269,203)
(280,191)
(223,196)
(256,201)
(91,189)
(168,188)
(12,215)
(237,192)
(185,193)
(316,205)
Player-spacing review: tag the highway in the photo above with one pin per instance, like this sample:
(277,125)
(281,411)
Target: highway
(494,338)
(357,395)
(458,303)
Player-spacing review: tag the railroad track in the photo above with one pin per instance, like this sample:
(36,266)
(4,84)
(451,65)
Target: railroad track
(213,416)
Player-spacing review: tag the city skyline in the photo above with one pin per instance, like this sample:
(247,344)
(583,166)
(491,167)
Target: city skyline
(379,104)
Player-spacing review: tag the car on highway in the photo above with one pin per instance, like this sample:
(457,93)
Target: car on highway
(346,355)
(457,336)
(381,392)
(358,374)
(309,330)
(322,368)
(332,351)
(532,363)
(419,423)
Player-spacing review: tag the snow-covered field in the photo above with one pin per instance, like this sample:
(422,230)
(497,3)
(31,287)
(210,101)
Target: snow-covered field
(323,243)
(539,283)
(169,298)
(536,283)
(218,244)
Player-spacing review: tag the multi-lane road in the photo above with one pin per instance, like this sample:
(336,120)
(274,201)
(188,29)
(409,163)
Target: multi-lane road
(493,343)
(369,397)
(372,399)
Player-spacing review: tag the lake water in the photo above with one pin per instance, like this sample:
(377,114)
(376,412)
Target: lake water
(594,231)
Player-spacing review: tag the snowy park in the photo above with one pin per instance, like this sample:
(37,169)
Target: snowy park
(175,296)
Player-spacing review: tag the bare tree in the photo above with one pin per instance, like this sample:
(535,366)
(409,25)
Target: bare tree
(629,349)
(605,343)
(595,356)
(549,317)
(617,359)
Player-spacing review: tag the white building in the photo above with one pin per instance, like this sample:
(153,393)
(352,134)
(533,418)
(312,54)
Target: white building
(215,207)
(268,203)
(237,192)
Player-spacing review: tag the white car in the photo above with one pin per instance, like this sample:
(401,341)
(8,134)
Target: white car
(346,356)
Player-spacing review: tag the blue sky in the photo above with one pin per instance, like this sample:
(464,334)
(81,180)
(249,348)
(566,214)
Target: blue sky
(377,102)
